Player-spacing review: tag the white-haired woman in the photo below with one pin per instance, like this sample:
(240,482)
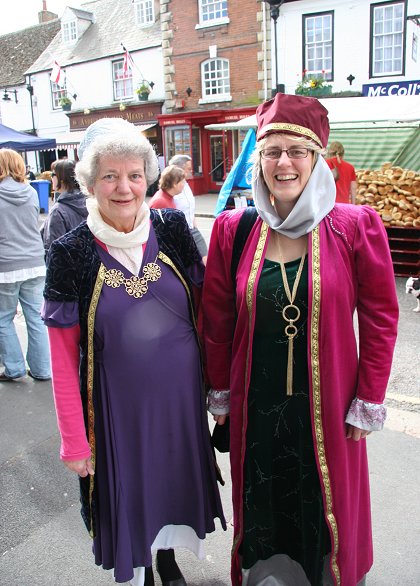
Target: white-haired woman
(119,305)
(279,298)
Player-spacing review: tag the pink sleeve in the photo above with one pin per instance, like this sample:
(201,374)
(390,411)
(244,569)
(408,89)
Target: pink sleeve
(64,345)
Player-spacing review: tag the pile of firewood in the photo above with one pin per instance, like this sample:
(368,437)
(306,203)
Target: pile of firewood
(393,192)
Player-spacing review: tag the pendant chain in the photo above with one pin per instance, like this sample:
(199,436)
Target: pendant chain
(291,314)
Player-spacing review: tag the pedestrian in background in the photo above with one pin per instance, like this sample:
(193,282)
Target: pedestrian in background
(282,285)
(171,182)
(127,373)
(30,175)
(22,272)
(185,202)
(70,207)
(343,172)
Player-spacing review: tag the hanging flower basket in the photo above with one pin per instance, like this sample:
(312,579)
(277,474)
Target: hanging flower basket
(313,86)
(143,96)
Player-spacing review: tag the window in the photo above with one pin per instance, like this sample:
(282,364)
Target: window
(178,141)
(318,45)
(387,39)
(69,30)
(213,12)
(215,80)
(122,80)
(144,11)
(57,92)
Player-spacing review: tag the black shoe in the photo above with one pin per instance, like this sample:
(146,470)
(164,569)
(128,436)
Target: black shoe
(168,569)
(37,377)
(7,379)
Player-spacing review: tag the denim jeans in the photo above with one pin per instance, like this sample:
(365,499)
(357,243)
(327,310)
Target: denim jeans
(29,294)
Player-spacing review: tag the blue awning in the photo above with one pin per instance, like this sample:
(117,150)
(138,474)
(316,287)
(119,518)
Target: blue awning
(23,142)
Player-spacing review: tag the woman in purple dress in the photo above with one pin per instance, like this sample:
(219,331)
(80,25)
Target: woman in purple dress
(120,300)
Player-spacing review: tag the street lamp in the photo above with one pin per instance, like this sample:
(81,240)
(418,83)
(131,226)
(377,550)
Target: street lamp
(274,13)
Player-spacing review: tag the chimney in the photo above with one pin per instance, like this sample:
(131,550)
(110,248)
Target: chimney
(45,15)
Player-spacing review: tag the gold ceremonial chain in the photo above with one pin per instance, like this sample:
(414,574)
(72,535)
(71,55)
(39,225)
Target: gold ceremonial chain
(134,286)
(291,330)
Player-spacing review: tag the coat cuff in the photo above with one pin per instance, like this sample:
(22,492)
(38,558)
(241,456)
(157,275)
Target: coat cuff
(366,416)
(218,402)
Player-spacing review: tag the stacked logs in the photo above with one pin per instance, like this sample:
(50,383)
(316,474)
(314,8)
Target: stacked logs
(393,192)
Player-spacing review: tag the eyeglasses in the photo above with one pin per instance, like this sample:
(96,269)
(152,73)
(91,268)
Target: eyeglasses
(292,153)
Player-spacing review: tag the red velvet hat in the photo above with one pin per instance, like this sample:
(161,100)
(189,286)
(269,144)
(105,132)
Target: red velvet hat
(294,115)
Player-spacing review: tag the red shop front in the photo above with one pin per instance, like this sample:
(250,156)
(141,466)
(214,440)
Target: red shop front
(213,152)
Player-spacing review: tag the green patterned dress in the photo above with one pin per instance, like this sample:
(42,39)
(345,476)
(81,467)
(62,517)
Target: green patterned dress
(283,509)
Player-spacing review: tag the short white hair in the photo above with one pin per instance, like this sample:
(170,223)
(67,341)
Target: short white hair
(113,137)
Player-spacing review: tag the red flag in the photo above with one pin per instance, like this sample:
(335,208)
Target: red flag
(57,74)
(127,64)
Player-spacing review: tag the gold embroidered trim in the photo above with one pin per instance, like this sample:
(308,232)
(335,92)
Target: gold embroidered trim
(90,367)
(134,286)
(295,128)
(249,297)
(316,398)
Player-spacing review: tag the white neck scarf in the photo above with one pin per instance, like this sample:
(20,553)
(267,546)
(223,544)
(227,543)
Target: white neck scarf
(314,203)
(126,248)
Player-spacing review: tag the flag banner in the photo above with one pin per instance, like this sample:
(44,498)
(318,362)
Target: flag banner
(127,64)
(57,74)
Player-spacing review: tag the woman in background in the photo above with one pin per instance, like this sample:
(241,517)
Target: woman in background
(22,272)
(343,173)
(70,206)
(171,182)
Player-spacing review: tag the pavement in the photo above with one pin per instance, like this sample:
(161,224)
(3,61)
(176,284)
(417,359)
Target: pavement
(42,537)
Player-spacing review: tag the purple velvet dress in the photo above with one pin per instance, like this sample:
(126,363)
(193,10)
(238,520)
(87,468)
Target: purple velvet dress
(154,465)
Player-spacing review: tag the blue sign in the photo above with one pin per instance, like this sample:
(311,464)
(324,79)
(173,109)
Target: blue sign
(398,88)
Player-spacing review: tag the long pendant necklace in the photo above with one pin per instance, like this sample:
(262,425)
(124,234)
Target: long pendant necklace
(291,313)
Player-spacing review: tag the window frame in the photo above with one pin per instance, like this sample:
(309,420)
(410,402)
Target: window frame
(57,92)
(148,7)
(203,23)
(67,28)
(217,97)
(126,95)
(315,73)
(373,8)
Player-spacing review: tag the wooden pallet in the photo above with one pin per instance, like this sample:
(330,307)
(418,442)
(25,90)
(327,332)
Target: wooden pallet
(404,244)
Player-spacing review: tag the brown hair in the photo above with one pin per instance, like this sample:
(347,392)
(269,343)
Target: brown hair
(335,148)
(12,165)
(171,175)
(64,171)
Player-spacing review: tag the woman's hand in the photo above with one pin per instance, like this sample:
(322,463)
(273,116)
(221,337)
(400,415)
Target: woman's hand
(355,433)
(219,419)
(81,467)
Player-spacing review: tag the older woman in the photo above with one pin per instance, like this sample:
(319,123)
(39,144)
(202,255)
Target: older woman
(120,310)
(70,208)
(281,288)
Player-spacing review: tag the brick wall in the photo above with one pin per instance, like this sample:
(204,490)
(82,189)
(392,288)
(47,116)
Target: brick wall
(186,47)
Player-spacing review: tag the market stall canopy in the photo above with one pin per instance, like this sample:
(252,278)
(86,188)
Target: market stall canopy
(354,113)
(23,142)
(373,130)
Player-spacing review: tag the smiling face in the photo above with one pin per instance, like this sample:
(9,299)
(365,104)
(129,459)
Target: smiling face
(285,178)
(120,188)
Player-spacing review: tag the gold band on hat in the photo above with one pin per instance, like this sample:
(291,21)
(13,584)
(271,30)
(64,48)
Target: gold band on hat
(295,128)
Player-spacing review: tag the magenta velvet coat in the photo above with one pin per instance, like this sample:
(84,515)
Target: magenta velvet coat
(349,268)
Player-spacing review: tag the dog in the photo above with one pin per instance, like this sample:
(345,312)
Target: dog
(412,287)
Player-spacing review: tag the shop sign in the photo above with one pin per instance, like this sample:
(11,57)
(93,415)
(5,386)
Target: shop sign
(400,88)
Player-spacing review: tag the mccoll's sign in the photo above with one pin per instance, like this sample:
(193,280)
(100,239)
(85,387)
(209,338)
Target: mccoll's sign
(401,88)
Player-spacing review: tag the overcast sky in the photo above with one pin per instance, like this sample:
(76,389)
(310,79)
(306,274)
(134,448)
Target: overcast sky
(20,14)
